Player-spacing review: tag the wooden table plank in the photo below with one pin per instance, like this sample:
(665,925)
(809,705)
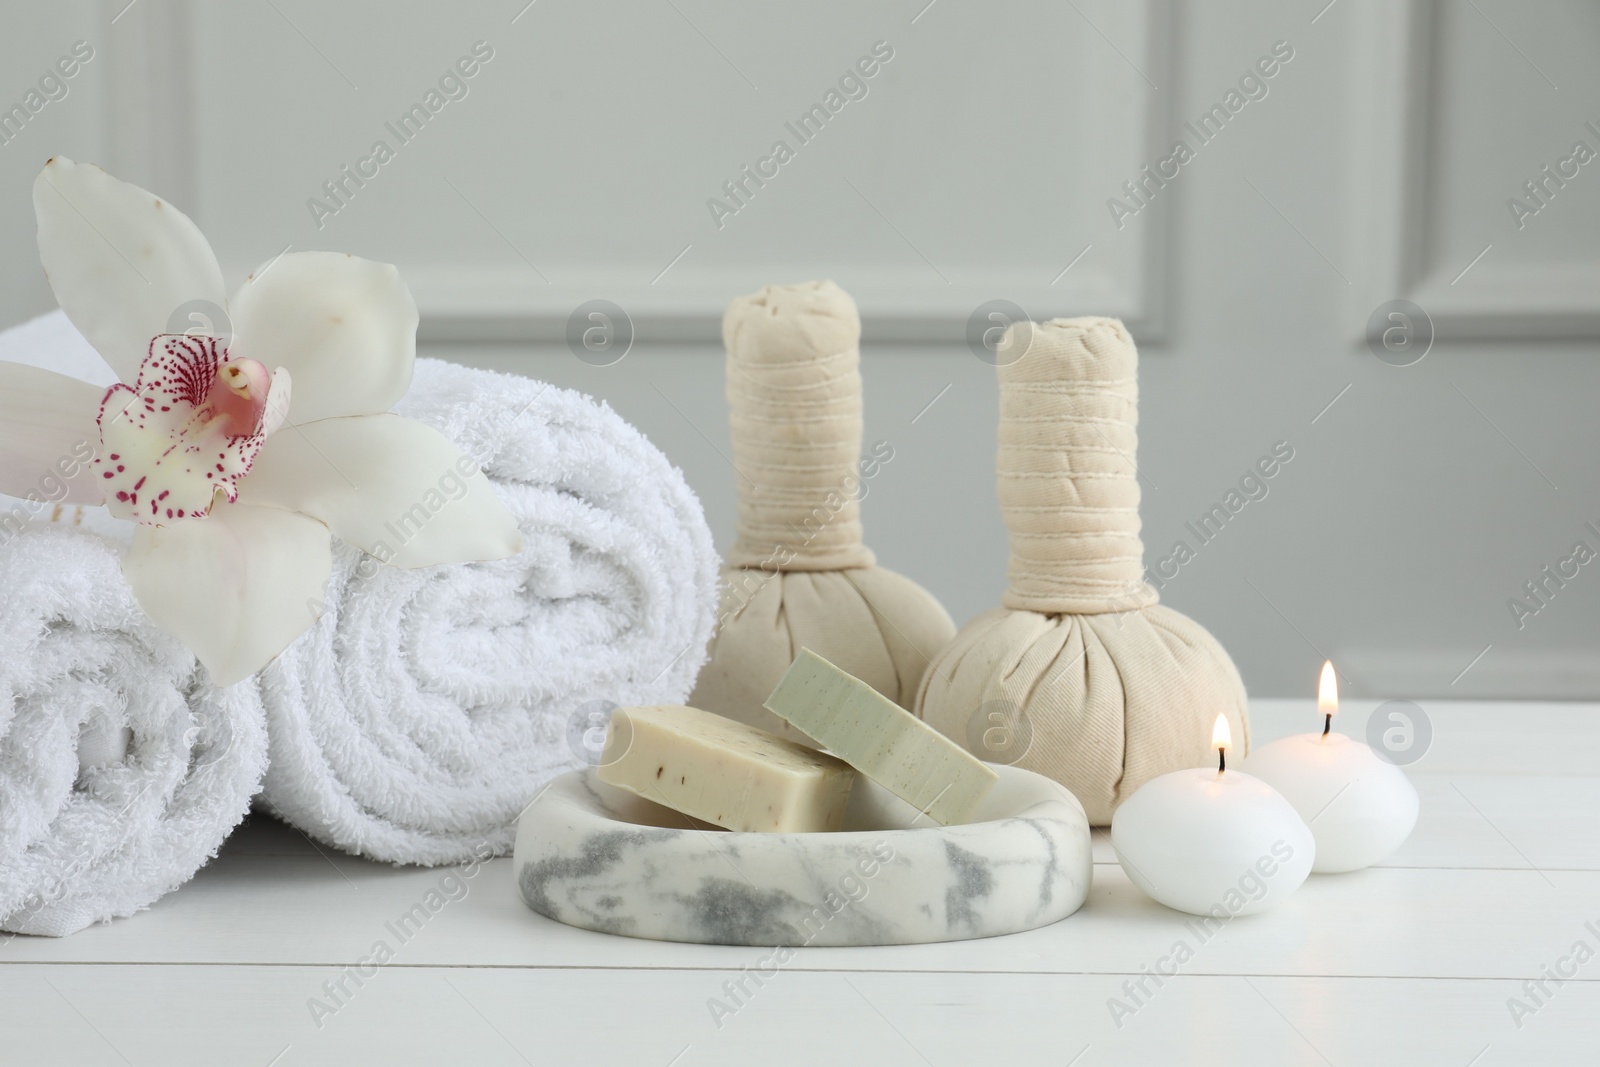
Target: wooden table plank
(248,1015)
(1401,922)
(1410,962)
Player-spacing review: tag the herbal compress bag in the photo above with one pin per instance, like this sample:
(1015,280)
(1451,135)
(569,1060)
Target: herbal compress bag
(798,574)
(1081,675)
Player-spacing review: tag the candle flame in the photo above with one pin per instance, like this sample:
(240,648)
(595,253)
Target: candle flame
(1221,736)
(1328,691)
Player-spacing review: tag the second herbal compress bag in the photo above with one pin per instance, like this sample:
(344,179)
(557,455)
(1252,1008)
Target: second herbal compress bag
(1081,675)
(799,574)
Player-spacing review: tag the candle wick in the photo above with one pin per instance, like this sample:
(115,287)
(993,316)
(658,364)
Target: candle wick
(1222,760)
(1327,723)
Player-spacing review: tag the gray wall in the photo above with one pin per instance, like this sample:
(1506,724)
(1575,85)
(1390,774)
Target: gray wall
(1377,166)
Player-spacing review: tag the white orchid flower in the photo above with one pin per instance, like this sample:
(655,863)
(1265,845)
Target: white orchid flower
(234,487)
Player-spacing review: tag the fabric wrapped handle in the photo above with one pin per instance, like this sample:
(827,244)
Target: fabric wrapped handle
(794,403)
(1067,480)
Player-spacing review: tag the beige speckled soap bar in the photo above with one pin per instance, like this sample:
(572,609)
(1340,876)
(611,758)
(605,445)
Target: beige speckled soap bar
(724,772)
(880,739)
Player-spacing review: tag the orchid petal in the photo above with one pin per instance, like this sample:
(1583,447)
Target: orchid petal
(345,328)
(388,485)
(278,398)
(122,262)
(236,587)
(48,435)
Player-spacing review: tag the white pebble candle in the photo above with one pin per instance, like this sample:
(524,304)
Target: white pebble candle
(1360,807)
(1212,842)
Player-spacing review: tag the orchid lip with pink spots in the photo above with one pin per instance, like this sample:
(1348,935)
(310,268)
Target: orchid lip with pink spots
(235,486)
(187,430)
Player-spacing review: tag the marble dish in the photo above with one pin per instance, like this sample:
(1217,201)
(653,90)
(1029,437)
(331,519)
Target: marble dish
(600,858)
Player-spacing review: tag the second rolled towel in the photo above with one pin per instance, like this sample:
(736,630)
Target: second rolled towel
(421,714)
(121,767)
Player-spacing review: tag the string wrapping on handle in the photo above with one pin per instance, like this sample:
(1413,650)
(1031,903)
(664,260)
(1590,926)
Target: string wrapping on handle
(794,402)
(1067,478)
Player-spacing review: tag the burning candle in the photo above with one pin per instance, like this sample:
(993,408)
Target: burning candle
(1360,807)
(1219,843)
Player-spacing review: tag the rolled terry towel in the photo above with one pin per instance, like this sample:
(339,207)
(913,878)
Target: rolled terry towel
(419,717)
(121,767)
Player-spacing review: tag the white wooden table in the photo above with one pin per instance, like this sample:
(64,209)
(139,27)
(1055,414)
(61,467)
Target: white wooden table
(1410,963)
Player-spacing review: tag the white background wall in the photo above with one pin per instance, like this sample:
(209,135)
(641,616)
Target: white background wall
(978,166)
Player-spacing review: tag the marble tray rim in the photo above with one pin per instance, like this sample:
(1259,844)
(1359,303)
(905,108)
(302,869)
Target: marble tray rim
(1063,795)
(1037,824)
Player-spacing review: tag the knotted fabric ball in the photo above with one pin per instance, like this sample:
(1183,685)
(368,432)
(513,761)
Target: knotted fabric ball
(798,573)
(1080,675)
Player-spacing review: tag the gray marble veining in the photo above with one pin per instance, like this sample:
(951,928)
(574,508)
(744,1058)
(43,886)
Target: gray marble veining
(596,857)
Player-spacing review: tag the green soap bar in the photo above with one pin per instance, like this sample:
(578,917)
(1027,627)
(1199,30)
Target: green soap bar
(880,739)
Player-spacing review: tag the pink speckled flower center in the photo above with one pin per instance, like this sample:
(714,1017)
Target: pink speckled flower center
(188,428)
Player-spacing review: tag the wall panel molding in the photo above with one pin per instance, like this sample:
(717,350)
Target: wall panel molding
(1396,158)
(150,96)
(161,138)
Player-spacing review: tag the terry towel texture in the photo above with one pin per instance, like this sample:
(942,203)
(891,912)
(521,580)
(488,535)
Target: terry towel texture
(121,767)
(419,717)
(422,713)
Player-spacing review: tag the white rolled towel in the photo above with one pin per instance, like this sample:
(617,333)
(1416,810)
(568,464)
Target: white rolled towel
(121,767)
(422,713)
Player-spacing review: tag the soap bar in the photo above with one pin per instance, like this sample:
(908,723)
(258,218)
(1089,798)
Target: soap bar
(880,739)
(724,772)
